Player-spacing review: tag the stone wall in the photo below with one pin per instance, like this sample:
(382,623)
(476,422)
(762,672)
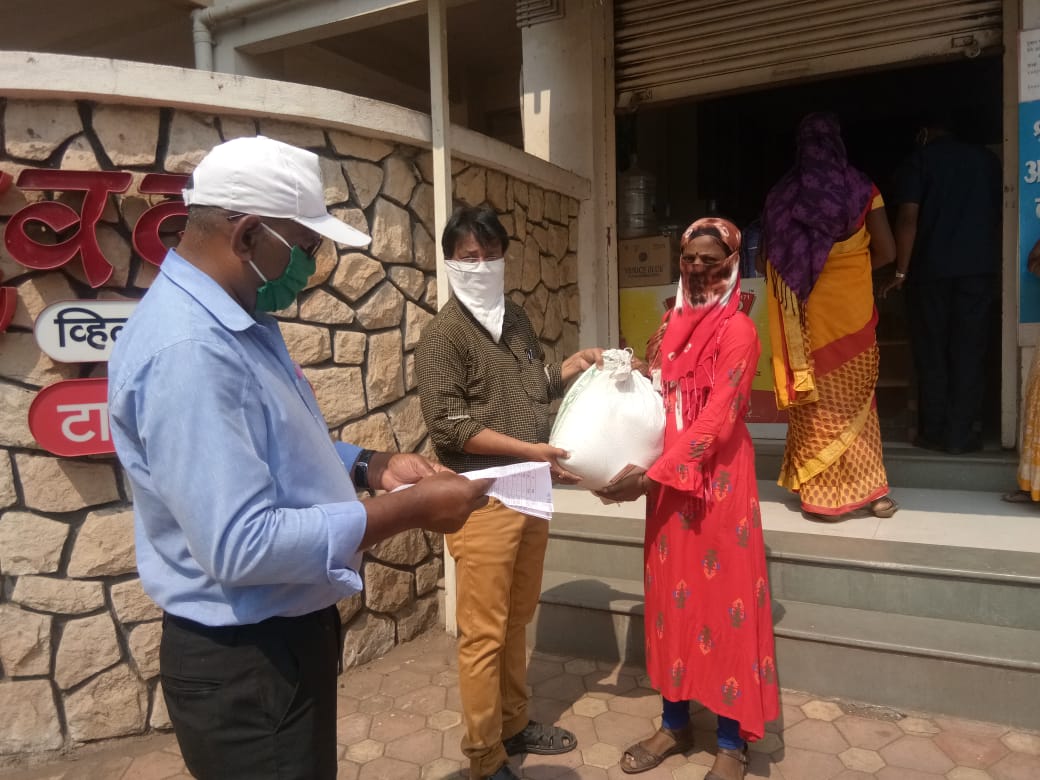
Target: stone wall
(78,636)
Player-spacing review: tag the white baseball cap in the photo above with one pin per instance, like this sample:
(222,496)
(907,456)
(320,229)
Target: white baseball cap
(268,178)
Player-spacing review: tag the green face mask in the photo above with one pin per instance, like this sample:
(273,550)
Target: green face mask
(276,294)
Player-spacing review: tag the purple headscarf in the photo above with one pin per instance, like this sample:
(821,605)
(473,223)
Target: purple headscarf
(816,203)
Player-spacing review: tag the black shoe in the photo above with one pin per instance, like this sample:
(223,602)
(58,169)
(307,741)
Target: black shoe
(505,772)
(971,446)
(541,740)
(927,444)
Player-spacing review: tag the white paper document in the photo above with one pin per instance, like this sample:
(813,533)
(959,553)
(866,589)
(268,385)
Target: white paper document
(523,487)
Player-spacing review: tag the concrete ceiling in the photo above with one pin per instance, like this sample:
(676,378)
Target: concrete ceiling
(482,35)
(156,31)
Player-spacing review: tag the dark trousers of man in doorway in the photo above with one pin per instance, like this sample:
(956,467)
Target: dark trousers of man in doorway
(950,328)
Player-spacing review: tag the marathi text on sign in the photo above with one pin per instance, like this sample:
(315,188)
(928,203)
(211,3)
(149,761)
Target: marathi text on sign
(81,331)
(82,241)
(70,418)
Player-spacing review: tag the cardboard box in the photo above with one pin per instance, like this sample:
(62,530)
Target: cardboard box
(640,310)
(753,302)
(644,262)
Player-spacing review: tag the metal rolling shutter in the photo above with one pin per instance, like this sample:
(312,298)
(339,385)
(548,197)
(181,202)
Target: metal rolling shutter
(671,49)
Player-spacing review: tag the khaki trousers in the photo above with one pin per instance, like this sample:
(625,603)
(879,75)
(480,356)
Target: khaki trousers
(498,558)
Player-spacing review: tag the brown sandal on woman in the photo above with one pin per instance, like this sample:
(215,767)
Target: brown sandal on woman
(884,507)
(726,753)
(639,758)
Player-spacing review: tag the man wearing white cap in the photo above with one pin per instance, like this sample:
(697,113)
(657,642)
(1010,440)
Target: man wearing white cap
(248,527)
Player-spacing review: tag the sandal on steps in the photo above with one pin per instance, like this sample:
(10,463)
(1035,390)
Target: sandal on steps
(1018,497)
(884,507)
(738,755)
(540,739)
(639,758)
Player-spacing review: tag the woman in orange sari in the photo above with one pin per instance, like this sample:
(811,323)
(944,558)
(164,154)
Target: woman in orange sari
(825,230)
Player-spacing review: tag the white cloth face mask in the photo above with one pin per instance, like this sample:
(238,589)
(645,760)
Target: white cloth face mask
(480,287)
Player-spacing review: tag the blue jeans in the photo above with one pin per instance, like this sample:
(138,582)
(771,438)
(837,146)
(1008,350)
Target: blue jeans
(676,714)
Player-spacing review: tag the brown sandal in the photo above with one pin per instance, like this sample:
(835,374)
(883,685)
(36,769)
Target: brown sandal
(884,507)
(638,758)
(739,755)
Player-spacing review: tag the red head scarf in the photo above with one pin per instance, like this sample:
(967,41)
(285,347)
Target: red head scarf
(694,325)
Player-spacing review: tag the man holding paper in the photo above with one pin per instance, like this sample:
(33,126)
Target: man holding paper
(248,527)
(485,392)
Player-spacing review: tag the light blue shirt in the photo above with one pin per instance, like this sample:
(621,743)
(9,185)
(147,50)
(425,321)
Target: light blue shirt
(243,506)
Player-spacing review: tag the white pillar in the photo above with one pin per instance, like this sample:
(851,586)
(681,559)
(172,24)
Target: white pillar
(568,119)
(437,25)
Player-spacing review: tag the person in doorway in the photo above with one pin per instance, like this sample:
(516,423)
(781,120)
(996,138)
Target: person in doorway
(825,230)
(751,249)
(1029,445)
(247,524)
(709,627)
(947,255)
(485,390)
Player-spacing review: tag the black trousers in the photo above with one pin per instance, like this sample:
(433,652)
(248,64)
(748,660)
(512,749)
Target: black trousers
(256,701)
(951,330)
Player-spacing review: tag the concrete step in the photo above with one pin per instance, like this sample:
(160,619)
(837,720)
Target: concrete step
(991,587)
(991,469)
(590,617)
(603,546)
(994,587)
(969,670)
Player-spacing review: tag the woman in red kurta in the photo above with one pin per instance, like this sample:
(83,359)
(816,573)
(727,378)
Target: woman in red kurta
(709,630)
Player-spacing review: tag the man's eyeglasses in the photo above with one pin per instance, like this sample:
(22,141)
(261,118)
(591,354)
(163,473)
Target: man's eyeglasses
(478,259)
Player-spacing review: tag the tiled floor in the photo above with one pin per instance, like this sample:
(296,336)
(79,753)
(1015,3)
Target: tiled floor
(399,720)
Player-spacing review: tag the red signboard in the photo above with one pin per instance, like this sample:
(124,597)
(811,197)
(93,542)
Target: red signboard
(147,239)
(8,303)
(78,231)
(8,295)
(60,218)
(71,418)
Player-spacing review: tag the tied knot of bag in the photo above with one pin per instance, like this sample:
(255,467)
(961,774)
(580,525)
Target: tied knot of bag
(617,364)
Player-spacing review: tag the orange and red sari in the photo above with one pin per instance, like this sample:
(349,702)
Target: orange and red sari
(825,368)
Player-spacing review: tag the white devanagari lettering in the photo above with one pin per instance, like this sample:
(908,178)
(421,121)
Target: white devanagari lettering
(80,413)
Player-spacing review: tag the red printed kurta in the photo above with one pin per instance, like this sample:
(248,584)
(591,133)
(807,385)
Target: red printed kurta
(709,629)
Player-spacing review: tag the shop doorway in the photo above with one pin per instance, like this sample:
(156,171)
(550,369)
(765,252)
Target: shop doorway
(724,153)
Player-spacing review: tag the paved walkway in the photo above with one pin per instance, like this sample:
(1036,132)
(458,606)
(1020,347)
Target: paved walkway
(399,720)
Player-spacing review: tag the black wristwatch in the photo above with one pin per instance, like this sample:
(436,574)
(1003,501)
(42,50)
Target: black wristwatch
(361,470)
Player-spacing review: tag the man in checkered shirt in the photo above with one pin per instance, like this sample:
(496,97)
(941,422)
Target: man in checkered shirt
(485,390)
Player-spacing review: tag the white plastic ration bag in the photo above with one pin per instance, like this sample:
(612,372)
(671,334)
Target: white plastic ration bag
(610,420)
